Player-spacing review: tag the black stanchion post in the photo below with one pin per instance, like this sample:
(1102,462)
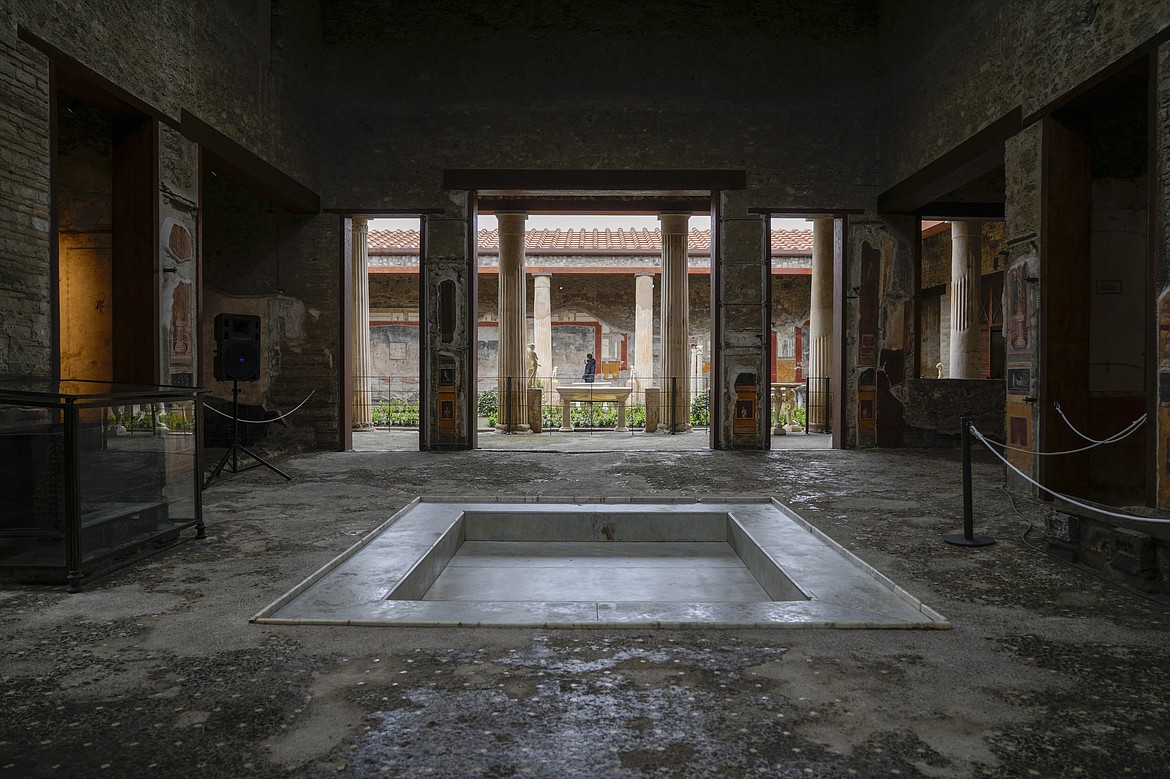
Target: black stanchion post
(967,537)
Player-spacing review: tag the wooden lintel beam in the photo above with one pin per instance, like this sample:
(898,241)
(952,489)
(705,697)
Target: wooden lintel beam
(592,180)
(575,206)
(979,154)
(226,156)
(965,212)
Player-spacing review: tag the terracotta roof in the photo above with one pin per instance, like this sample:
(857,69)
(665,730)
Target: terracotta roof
(595,241)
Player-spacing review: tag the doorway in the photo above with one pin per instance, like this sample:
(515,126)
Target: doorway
(1096,305)
(592,294)
(386,391)
(105,187)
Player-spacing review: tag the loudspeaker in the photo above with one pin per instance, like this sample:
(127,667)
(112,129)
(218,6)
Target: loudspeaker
(237,341)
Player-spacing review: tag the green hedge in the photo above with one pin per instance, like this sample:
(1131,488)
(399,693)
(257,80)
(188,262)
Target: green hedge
(701,410)
(396,412)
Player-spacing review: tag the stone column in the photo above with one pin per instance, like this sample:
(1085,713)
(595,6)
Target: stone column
(820,325)
(966,256)
(513,319)
(674,321)
(362,364)
(542,327)
(643,334)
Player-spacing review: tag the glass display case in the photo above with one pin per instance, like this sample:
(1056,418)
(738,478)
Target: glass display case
(91,472)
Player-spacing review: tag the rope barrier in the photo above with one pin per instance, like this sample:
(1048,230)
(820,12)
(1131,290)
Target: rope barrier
(263,421)
(1096,509)
(1073,428)
(1123,434)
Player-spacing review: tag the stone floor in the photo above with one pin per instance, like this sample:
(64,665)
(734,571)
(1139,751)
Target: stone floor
(155,669)
(406,440)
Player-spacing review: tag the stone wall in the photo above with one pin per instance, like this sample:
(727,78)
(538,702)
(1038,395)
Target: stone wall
(1130,552)
(25,295)
(179,305)
(1161,262)
(259,259)
(880,340)
(952,69)
(774,89)
(933,410)
(248,75)
(249,69)
(936,254)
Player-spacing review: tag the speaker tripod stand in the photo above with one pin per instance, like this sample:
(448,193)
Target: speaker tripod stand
(236,448)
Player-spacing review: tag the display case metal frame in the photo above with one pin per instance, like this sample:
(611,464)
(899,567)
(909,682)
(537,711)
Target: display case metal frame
(69,398)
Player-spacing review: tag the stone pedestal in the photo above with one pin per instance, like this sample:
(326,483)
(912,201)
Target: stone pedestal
(778,404)
(535,410)
(653,408)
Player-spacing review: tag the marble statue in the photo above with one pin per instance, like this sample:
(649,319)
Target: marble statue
(533,365)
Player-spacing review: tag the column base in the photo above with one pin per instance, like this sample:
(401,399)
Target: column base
(665,429)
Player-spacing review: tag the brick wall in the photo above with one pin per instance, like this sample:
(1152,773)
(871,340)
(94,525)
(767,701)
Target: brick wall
(25,318)
(210,58)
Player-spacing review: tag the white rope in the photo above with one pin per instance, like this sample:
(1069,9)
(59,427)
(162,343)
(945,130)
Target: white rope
(1060,495)
(1110,439)
(261,421)
(1127,431)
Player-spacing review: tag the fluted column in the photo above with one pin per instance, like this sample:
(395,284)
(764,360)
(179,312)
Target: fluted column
(362,365)
(820,325)
(674,321)
(966,255)
(542,327)
(643,334)
(513,316)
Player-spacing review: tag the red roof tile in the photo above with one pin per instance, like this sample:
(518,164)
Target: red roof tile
(594,241)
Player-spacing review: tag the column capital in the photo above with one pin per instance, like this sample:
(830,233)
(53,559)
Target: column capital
(674,222)
(511,222)
(965,230)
